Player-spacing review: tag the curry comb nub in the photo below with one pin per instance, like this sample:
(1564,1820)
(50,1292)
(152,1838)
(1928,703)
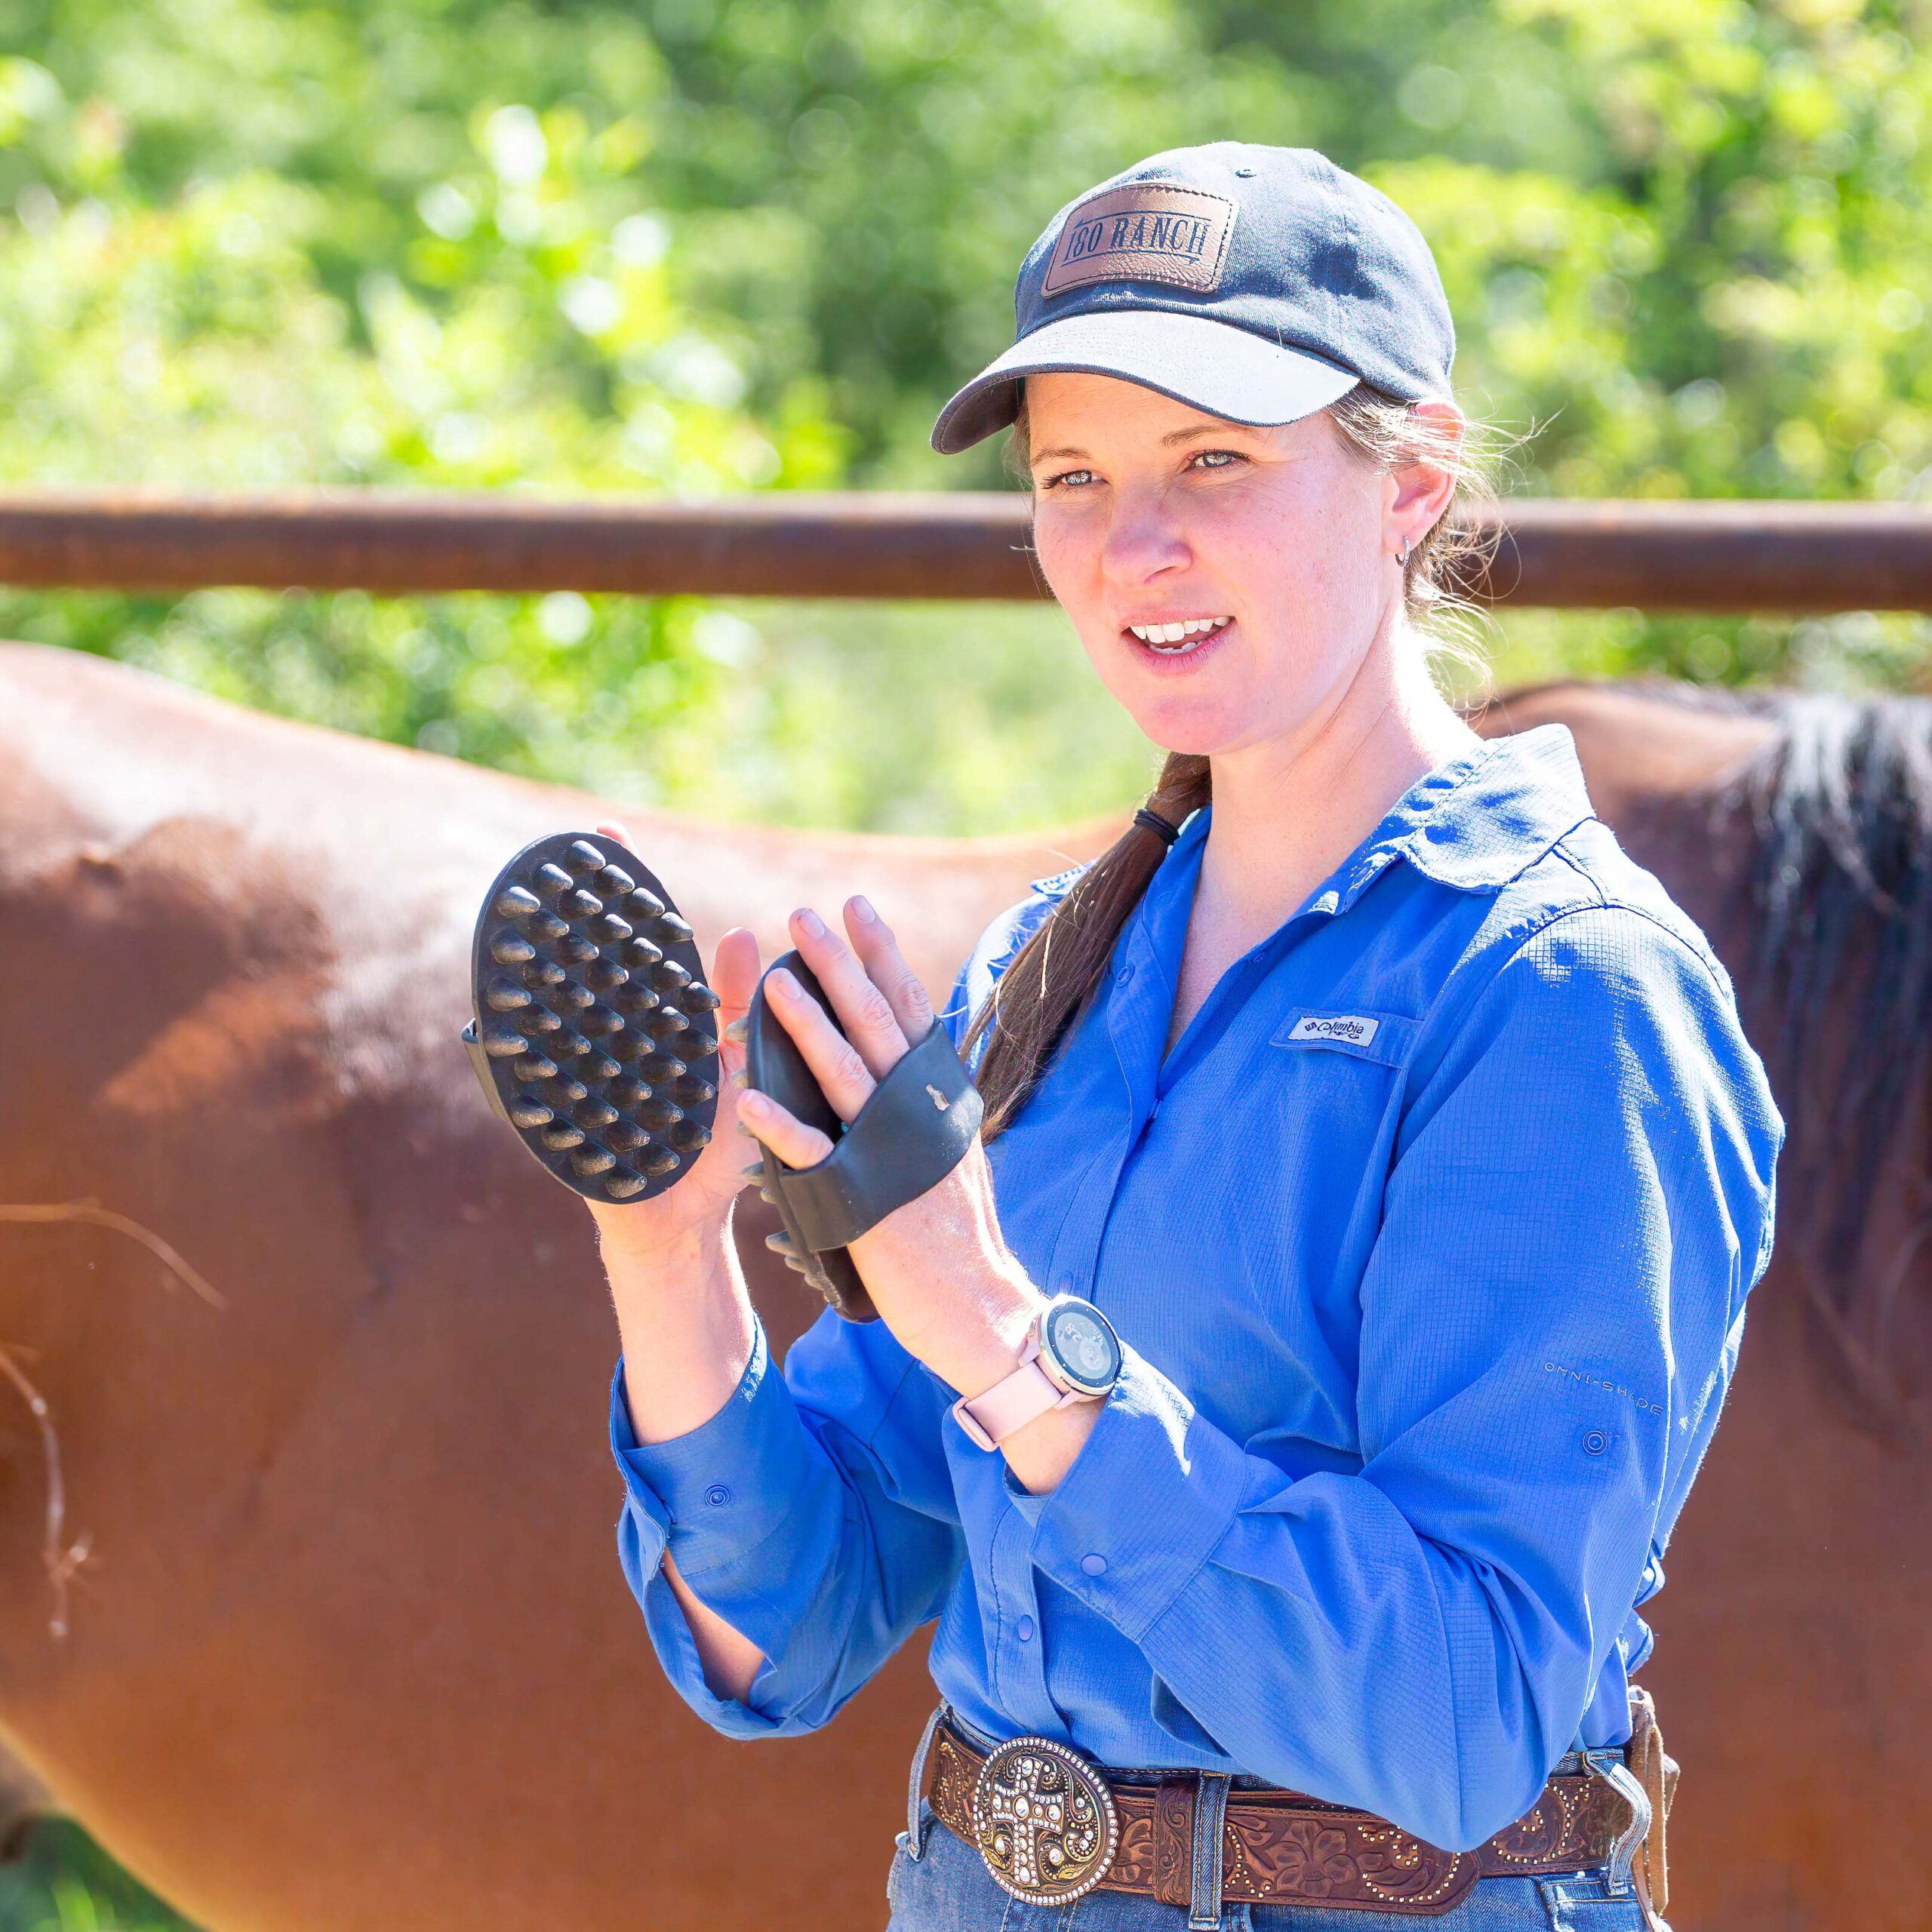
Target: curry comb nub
(594,1036)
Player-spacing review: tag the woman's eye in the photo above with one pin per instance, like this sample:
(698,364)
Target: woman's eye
(1076,478)
(1217,459)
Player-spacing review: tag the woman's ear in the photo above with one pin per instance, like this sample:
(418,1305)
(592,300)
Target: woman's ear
(1422,489)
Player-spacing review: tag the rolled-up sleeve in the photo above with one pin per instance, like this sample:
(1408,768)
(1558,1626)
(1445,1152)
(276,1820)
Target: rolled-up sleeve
(1580,1201)
(813,1513)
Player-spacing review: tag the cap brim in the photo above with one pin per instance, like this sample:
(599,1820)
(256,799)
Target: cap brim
(1213,365)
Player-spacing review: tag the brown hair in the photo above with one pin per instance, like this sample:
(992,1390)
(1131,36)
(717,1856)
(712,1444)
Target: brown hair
(1035,1002)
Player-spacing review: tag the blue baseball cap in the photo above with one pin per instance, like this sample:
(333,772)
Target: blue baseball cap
(1259,284)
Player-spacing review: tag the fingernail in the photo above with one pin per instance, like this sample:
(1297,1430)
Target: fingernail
(739,1030)
(754,1104)
(862,907)
(811,921)
(783,982)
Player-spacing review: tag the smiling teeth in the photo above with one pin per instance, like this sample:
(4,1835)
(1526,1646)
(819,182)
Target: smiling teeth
(1175,633)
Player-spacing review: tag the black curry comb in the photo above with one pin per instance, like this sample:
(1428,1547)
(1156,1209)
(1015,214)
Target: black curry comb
(593,1033)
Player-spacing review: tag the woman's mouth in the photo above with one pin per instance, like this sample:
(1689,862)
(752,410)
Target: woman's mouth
(1181,637)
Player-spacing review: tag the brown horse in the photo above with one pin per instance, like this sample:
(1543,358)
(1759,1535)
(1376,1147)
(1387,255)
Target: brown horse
(347,1646)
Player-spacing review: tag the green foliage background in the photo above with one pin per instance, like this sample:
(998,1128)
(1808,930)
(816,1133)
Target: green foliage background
(688,246)
(694,245)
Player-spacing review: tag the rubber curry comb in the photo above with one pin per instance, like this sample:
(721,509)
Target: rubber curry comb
(593,1033)
(913,1131)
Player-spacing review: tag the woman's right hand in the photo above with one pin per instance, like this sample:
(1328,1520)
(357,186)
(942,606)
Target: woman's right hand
(697,1206)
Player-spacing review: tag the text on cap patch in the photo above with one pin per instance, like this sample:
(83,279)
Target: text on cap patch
(1147,231)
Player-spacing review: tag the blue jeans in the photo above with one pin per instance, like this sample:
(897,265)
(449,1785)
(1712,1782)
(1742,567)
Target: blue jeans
(938,1883)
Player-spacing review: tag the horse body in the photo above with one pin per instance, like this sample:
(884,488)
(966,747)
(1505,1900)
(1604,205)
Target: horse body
(350,1648)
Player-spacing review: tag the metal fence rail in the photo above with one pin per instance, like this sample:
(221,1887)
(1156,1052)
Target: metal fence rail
(1733,556)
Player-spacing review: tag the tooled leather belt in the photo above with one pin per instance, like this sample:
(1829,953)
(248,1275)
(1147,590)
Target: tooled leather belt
(1051,1827)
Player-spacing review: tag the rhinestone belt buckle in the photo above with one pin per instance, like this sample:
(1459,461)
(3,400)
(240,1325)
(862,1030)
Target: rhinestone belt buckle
(1044,1821)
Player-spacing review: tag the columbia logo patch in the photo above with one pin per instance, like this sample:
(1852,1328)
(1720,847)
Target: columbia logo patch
(1147,231)
(1356,1029)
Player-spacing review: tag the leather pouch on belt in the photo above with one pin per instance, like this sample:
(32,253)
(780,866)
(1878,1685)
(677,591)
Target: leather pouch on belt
(1656,1770)
(913,1131)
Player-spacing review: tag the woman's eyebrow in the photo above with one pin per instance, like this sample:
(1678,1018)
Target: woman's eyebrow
(1206,429)
(1199,433)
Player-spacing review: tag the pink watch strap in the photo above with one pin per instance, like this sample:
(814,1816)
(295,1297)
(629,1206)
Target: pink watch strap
(1012,1402)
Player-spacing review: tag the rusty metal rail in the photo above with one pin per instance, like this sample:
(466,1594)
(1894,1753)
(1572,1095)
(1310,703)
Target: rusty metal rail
(1729,555)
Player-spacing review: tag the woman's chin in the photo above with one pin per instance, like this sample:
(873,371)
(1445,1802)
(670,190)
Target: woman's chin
(1177,715)
(1197,725)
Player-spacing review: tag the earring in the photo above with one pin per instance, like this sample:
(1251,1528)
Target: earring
(1404,558)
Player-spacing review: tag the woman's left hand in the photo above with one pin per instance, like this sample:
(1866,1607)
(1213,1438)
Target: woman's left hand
(938,1269)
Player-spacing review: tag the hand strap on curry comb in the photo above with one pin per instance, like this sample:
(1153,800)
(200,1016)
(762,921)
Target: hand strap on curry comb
(912,1132)
(593,1035)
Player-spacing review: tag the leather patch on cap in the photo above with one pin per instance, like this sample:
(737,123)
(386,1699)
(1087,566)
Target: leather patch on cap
(1147,231)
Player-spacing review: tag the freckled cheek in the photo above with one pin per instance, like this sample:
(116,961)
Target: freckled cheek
(1070,550)
(1282,566)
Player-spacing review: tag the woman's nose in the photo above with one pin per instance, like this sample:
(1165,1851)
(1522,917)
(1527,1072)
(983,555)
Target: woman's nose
(1144,539)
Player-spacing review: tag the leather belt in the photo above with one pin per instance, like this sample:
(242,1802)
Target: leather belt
(1050,1826)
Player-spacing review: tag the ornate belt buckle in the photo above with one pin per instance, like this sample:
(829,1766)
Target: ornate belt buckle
(1044,1821)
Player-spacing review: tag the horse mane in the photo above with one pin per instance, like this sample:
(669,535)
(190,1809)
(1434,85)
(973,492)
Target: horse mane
(1839,887)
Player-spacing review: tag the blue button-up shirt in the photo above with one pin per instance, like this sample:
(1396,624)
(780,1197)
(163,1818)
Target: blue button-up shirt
(1428,1245)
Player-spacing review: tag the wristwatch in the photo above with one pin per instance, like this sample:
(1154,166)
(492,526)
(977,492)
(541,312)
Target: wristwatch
(1070,1355)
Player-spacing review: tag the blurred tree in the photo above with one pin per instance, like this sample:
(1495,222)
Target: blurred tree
(699,244)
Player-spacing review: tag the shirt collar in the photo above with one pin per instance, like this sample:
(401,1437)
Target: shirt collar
(1474,823)
(1482,820)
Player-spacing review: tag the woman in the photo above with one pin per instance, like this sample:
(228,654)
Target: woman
(1380,1138)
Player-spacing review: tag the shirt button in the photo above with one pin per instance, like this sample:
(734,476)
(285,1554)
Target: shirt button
(1093,1563)
(1124,971)
(717,1496)
(1025,1628)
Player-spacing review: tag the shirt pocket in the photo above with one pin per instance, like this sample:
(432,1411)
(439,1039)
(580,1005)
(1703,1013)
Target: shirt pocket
(1261,1179)
(1360,1031)
(1311,1129)
(1328,1103)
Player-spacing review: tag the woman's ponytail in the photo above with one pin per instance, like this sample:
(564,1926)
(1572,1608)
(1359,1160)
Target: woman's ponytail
(1035,1001)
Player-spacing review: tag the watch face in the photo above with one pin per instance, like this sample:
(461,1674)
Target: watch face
(1082,1343)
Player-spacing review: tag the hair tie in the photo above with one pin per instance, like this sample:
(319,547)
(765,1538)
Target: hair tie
(1154,821)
